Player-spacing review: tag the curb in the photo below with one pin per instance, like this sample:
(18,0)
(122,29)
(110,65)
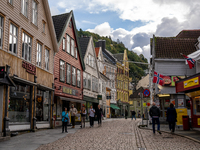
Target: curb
(175,134)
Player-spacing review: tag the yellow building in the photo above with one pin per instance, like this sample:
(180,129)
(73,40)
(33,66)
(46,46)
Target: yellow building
(122,80)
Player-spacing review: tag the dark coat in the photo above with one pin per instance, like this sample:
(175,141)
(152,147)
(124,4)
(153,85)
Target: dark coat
(154,111)
(133,112)
(99,112)
(171,115)
(126,113)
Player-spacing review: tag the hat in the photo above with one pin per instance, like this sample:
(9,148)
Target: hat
(83,105)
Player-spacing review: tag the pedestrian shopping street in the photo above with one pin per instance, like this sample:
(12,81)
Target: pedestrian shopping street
(115,134)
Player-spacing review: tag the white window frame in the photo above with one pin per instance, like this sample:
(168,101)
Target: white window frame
(89,82)
(10,1)
(62,71)
(1,31)
(93,84)
(85,80)
(76,53)
(72,47)
(26,46)
(34,12)
(68,73)
(44,26)
(63,44)
(78,78)
(39,55)
(24,7)
(74,76)
(89,57)
(13,37)
(68,44)
(47,59)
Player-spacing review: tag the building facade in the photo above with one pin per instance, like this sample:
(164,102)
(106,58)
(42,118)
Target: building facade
(27,48)
(68,67)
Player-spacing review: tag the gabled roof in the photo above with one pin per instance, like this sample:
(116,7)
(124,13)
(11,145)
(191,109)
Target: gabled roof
(84,41)
(108,57)
(171,47)
(189,34)
(119,56)
(62,21)
(97,51)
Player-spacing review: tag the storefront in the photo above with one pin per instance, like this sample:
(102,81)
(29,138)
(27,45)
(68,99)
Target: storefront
(114,110)
(191,87)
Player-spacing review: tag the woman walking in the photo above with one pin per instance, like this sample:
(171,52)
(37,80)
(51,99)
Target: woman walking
(91,115)
(83,115)
(171,117)
(65,118)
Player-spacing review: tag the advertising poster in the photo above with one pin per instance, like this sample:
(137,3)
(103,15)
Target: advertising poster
(180,102)
(172,101)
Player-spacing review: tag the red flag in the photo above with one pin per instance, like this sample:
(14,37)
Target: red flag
(158,78)
(190,62)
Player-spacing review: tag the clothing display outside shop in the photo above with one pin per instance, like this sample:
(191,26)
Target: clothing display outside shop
(19,103)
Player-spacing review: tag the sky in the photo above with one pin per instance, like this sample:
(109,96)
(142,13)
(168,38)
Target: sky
(132,21)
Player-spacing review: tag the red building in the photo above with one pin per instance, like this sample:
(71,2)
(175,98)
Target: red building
(68,67)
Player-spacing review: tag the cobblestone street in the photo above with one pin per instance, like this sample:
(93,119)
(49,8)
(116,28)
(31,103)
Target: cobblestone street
(120,135)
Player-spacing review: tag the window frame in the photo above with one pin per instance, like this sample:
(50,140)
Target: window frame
(23,7)
(38,53)
(63,44)
(10,2)
(63,70)
(72,47)
(11,35)
(34,12)
(85,78)
(76,53)
(68,44)
(29,45)
(78,78)
(47,63)
(69,76)
(89,77)
(73,76)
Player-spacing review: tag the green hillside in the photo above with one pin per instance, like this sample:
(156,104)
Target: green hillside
(136,70)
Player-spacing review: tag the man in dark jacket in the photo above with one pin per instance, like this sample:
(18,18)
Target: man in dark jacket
(133,114)
(99,113)
(171,117)
(155,114)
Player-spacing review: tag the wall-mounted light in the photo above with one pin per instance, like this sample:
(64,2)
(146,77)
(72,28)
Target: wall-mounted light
(55,78)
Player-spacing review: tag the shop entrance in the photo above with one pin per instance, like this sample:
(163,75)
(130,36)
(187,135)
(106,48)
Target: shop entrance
(164,104)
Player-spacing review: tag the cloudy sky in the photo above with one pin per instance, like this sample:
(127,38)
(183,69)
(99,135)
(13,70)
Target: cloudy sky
(132,21)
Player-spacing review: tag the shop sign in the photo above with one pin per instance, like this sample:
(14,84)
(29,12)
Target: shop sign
(198,121)
(29,67)
(170,80)
(39,99)
(167,80)
(191,82)
(70,91)
(99,97)
(174,79)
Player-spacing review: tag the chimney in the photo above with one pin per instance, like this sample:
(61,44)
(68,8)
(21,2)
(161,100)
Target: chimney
(102,44)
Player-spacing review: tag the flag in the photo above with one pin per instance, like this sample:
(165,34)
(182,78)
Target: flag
(190,61)
(158,78)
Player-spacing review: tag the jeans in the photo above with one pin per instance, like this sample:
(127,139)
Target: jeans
(133,116)
(83,121)
(172,126)
(91,121)
(73,120)
(99,119)
(64,125)
(153,124)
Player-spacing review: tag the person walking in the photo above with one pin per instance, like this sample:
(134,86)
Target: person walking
(155,114)
(99,114)
(65,118)
(138,114)
(73,112)
(91,116)
(83,115)
(133,114)
(171,117)
(126,114)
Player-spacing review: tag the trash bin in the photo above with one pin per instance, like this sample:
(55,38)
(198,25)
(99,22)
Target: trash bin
(186,125)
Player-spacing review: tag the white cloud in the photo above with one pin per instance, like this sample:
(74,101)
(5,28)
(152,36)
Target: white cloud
(88,22)
(137,50)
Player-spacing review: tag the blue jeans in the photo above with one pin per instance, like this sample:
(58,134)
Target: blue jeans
(153,124)
(133,116)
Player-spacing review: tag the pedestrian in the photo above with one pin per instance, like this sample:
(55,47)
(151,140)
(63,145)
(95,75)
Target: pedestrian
(99,114)
(139,114)
(126,114)
(133,114)
(83,115)
(155,114)
(171,117)
(65,118)
(91,116)
(73,112)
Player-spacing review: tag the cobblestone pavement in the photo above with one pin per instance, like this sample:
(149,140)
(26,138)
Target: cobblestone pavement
(120,135)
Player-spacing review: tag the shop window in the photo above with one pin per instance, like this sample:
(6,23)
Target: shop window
(46,59)
(78,78)
(34,12)
(72,47)
(68,44)
(39,55)
(188,104)
(62,71)
(24,7)
(84,80)
(138,103)
(68,73)
(73,76)
(1,31)
(13,39)
(63,44)
(42,105)
(19,103)
(26,46)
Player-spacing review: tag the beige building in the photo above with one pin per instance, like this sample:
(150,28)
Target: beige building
(27,45)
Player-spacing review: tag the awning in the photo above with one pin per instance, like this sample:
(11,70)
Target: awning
(71,100)
(114,106)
